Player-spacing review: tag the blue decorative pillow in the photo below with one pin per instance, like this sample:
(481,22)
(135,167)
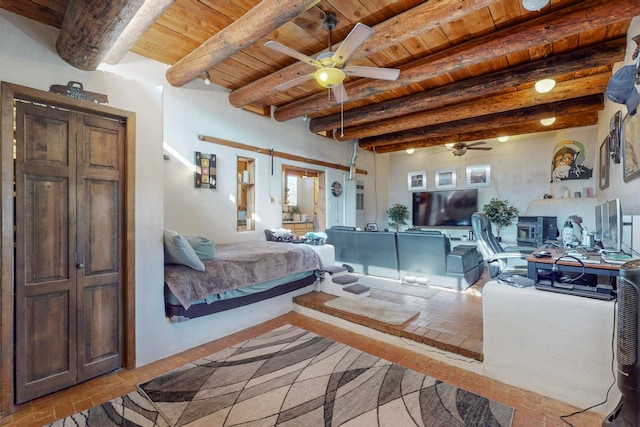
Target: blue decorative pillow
(205,249)
(177,250)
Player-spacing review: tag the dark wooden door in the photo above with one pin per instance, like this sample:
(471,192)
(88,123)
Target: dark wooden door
(69,214)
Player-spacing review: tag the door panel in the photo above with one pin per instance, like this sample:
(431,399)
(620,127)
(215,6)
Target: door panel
(100,235)
(45,283)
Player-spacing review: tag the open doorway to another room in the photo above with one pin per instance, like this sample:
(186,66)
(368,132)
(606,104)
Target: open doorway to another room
(303,201)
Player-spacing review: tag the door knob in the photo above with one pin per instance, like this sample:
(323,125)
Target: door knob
(80,265)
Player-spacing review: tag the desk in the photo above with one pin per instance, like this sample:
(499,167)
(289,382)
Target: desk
(534,264)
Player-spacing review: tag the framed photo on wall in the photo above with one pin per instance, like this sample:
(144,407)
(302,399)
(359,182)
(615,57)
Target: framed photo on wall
(445,179)
(631,147)
(614,141)
(479,176)
(417,181)
(604,163)
(205,174)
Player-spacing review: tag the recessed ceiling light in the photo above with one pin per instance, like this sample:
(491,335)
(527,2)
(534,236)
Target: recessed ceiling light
(545,85)
(534,5)
(411,150)
(503,138)
(548,121)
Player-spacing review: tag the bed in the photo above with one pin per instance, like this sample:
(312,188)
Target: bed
(239,274)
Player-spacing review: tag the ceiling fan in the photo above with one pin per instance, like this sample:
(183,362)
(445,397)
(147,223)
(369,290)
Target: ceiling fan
(459,148)
(330,66)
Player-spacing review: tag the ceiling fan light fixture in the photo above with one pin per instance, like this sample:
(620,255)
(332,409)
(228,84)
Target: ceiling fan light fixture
(411,150)
(329,77)
(503,138)
(545,85)
(534,5)
(548,121)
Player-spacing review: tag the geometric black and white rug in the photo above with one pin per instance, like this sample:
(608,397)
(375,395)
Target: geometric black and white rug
(133,409)
(293,377)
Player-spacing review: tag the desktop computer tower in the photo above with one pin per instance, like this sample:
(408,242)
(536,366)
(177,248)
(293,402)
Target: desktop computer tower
(627,412)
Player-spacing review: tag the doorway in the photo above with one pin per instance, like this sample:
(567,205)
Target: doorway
(303,201)
(68,238)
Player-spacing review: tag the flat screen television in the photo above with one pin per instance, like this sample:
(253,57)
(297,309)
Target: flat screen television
(452,208)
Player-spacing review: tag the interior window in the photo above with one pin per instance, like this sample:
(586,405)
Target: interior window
(246,193)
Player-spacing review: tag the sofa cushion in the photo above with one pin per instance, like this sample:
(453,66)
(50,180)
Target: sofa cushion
(461,260)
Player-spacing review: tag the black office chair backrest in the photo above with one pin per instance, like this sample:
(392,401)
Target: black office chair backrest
(485,240)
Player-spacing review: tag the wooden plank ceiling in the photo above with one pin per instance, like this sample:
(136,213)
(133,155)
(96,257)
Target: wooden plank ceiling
(467,66)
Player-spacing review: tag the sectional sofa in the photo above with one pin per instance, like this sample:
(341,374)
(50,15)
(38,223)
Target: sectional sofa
(412,254)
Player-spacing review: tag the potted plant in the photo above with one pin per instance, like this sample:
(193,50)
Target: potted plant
(500,213)
(398,215)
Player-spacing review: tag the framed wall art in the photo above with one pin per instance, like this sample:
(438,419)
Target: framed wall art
(479,176)
(604,163)
(205,175)
(614,133)
(445,179)
(417,181)
(630,147)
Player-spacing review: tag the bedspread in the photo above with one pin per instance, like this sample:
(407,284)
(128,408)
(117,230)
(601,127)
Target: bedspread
(237,265)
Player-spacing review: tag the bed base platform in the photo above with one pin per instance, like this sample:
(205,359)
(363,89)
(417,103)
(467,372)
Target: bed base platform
(177,313)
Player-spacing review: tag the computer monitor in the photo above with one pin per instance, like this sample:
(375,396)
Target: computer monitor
(597,233)
(612,226)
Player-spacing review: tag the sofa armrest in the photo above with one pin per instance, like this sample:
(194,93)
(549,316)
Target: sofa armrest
(461,260)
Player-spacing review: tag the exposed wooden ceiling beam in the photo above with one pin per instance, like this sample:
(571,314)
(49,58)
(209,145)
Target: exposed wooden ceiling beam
(497,120)
(261,20)
(588,57)
(521,128)
(584,86)
(140,23)
(590,14)
(90,28)
(402,27)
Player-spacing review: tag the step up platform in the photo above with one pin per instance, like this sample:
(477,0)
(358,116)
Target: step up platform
(335,269)
(356,291)
(338,282)
(345,279)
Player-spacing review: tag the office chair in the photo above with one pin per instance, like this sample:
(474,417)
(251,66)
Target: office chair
(500,262)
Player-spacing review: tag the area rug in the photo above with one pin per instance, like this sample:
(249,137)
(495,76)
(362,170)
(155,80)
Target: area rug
(382,311)
(131,410)
(290,377)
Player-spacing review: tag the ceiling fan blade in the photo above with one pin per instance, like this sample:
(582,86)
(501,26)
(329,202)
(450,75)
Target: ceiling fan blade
(340,93)
(358,35)
(372,72)
(476,143)
(479,148)
(292,53)
(294,82)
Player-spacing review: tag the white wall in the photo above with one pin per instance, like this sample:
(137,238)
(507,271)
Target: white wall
(520,169)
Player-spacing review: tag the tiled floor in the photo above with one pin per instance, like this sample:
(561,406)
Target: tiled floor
(531,409)
(448,320)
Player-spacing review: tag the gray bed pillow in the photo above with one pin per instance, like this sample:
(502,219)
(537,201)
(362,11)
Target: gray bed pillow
(205,248)
(177,250)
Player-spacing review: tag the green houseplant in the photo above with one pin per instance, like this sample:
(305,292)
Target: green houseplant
(398,215)
(500,213)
